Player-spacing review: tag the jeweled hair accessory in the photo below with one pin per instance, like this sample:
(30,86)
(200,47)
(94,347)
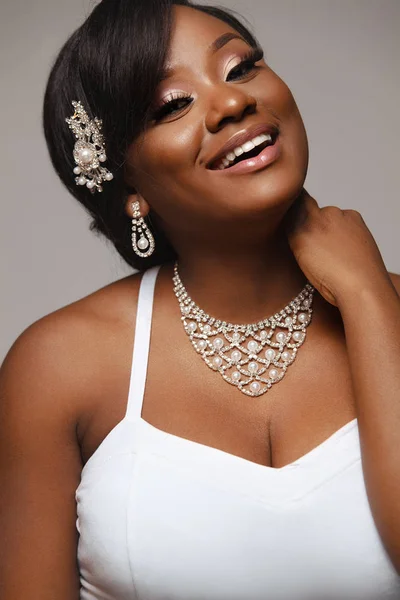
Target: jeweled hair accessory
(89,150)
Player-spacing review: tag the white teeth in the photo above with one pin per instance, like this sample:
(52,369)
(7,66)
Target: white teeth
(259,139)
(246,147)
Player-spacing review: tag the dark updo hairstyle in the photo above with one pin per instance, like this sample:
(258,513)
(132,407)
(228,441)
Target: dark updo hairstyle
(113,64)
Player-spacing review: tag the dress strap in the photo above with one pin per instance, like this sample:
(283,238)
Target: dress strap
(141,343)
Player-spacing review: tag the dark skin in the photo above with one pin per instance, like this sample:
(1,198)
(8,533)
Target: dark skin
(64,383)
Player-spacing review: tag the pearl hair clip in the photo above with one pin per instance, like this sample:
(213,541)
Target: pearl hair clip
(89,150)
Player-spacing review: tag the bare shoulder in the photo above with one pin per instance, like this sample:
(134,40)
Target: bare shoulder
(61,350)
(50,374)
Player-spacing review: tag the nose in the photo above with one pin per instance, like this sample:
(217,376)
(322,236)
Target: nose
(228,104)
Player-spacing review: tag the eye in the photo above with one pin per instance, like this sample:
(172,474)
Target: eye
(172,104)
(246,65)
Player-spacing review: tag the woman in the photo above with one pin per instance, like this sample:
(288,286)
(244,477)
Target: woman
(217,462)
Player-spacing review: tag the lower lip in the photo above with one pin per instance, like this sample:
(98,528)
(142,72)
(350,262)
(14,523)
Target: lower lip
(262,160)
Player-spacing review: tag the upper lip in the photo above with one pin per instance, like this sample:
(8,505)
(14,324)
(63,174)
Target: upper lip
(241,137)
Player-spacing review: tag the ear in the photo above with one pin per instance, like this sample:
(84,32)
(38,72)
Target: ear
(136,197)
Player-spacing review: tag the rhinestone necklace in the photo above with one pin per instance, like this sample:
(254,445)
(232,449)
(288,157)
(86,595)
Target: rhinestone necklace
(250,356)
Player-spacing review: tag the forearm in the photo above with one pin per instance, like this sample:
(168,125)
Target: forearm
(372,326)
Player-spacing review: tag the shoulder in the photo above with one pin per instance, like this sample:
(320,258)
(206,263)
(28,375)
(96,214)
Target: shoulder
(59,357)
(50,377)
(396,281)
(73,328)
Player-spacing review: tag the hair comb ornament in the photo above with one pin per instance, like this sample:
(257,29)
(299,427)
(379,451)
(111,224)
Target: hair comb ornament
(89,151)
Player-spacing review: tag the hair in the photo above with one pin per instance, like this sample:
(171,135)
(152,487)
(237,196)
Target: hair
(113,64)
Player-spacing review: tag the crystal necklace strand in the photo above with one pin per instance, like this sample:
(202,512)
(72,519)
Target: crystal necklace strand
(250,356)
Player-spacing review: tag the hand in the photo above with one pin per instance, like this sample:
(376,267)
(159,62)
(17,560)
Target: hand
(334,248)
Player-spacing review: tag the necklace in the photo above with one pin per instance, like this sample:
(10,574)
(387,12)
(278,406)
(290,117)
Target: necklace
(250,356)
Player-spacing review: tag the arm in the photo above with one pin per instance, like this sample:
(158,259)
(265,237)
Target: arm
(39,468)
(338,254)
(372,326)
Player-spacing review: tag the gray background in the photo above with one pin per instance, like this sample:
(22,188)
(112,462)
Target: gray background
(341,59)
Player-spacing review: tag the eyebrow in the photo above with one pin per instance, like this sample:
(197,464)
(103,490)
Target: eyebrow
(223,39)
(216,45)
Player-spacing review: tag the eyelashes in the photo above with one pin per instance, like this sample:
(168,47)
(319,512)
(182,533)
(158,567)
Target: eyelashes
(247,62)
(177,101)
(171,104)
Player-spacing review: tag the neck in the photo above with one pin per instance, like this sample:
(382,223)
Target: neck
(244,285)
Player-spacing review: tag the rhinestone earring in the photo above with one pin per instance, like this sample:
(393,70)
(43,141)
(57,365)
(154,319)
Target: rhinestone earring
(143,247)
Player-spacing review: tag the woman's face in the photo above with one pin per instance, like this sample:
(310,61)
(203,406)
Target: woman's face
(207,99)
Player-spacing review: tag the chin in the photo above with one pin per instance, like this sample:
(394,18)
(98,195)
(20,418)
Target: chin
(282,185)
(274,189)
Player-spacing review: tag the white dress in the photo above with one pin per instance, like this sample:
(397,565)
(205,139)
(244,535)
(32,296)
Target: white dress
(164,518)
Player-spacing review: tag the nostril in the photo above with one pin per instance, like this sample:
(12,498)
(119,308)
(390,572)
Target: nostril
(249,109)
(227,120)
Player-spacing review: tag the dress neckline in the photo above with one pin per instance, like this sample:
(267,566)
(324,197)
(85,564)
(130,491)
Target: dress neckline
(219,453)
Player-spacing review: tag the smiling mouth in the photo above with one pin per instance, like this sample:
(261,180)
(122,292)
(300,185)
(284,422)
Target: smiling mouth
(243,152)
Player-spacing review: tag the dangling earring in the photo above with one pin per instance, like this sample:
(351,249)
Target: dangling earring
(145,245)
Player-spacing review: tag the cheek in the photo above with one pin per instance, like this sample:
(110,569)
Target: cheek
(162,165)
(281,101)
(163,171)
(278,98)
(169,149)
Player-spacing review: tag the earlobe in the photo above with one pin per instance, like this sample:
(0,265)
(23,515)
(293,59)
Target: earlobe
(136,197)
